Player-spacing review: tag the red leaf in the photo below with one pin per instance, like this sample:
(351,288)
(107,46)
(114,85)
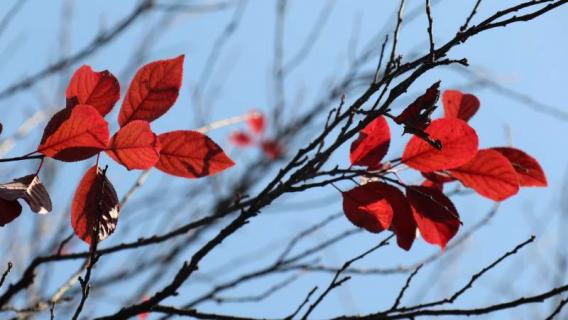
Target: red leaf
(74,134)
(256,122)
(367,207)
(98,89)
(441,176)
(459,144)
(9,210)
(135,146)
(490,174)
(153,91)
(435,215)
(272,149)
(403,223)
(459,105)
(528,169)
(372,144)
(191,154)
(433,184)
(416,116)
(240,139)
(95,202)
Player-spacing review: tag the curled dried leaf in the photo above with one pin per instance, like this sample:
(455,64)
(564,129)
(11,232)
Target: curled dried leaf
(31,190)
(416,117)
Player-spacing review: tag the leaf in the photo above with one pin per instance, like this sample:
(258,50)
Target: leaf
(372,144)
(74,134)
(490,174)
(95,203)
(441,176)
(367,207)
(240,139)
(31,190)
(433,184)
(416,117)
(135,146)
(528,169)
(272,149)
(435,214)
(153,91)
(403,224)
(191,154)
(459,144)
(459,105)
(98,89)
(9,210)
(256,122)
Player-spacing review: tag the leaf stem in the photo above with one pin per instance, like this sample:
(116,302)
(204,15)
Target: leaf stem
(24,157)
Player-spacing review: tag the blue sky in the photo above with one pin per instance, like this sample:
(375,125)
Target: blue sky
(529,58)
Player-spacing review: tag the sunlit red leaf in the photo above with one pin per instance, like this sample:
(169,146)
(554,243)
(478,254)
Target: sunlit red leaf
(135,146)
(367,207)
(98,89)
(459,144)
(403,224)
(9,210)
(240,139)
(372,144)
(490,174)
(191,154)
(31,190)
(435,215)
(153,91)
(528,169)
(416,116)
(74,134)
(95,203)
(272,149)
(459,105)
(256,122)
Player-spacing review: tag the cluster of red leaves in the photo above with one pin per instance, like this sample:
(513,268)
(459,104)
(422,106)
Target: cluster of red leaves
(256,122)
(80,131)
(442,150)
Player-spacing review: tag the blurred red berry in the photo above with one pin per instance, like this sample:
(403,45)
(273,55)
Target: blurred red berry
(240,139)
(271,149)
(257,122)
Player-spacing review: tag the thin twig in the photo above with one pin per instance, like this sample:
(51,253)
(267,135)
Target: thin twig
(306,300)
(557,310)
(473,279)
(5,274)
(430,30)
(472,13)
(400,14)
(405,287)
(336,282)
(379,65)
